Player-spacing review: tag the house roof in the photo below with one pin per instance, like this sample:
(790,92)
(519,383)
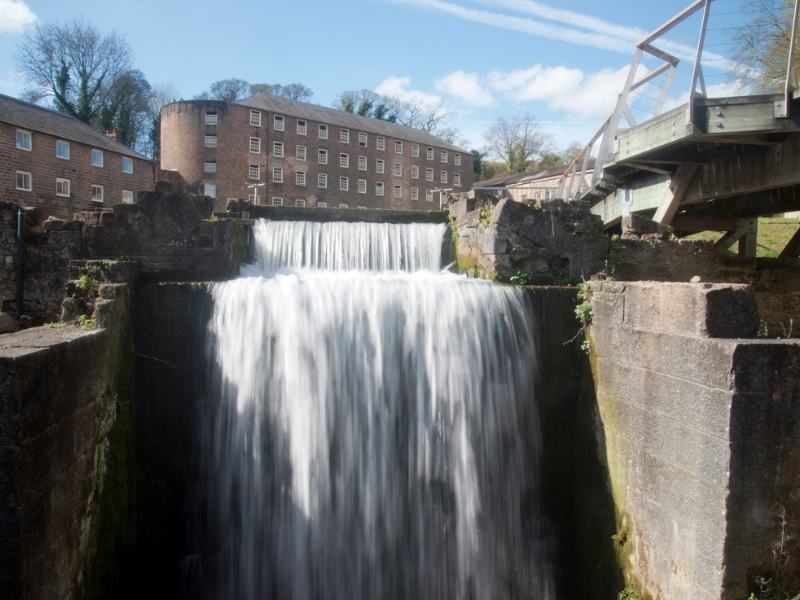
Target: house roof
(522,178)
(44,120)
(323,114)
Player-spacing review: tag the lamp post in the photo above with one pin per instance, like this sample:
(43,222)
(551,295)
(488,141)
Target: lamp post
(254,187)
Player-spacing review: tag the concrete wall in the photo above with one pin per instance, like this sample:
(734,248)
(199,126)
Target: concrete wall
(701,437)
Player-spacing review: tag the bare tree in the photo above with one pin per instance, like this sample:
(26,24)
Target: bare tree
(160,96)
(518,141)
(763,43)
(290,91)
(227,90)
(75,65)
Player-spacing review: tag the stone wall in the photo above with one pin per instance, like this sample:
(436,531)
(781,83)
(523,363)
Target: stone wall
(701,437)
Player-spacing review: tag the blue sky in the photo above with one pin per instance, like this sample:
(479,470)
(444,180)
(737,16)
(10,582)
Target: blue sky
(561,61)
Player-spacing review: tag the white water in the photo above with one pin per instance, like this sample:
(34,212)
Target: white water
(374,434)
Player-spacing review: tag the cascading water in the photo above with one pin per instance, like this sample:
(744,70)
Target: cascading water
(372,428)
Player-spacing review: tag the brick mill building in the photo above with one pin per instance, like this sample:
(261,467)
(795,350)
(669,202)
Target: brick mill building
(61,165)
(288,153)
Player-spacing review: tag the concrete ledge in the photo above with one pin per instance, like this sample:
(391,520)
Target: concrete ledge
(312,213)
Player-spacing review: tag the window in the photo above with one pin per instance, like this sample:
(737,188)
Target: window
(300,202)
(398,192)
(62,149)
(428,174)
(429,196)
(277,123)
(210,166)
(379,188)
(255,118)
(443,177)
(127,197)
(277,149)
(457,159)
(322,157)
(379,166)
(415,194)
(300,178)
(344,205)
(322,204)
(344,160)
(24,181)
(380,143)
(322,181)
(97,193)
(457,179)
(344,184)
(344,136)
(415,150)
(97,156)
(210,141)
(62,187)
(397,169)
(302,127)
(24,140)
(254,172)
(211,118)
(300,152)
(277,175)
(255,145)
(210,190)
(362,163)
(277,201)
(444,156)
(362,139)
(429,154)
(362,186)
(127,164)
(322,132)
(414,172)
(398,146)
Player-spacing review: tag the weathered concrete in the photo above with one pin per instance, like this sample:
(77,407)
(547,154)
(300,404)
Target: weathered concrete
(701,437)
(312,213)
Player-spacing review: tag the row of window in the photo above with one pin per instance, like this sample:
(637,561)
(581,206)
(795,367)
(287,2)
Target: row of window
(278,200)
(300,176)
(322,133)
(25,142)
(64,188)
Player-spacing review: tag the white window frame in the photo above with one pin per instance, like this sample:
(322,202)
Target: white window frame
(322,181)
(344,205)
(380,142)
(300,178)
(127,194)
(209,166)
(362,186)
(362,163)
(397,191)
(444,157)
(415,150)
(63,144)
(397,169)
(210,141)
(255,118)
(127,160)
(457,159)
(209,186)
(65,189)
(379,188)
(363,139)
(277,149)
(344,136)
(322,156)
(322,132)
(95,196)
(277,201)
(300,202)
(429,153)
(92,154)
(254,169)
(457,179)
(429,174)
(414,194)
(344,183)
(278,122)
(277,174)
(211,117)
(255,142)
(29,178)
(414,171)
(322,204)
(380,166)
(428,195)
(443,177)
(26,135)
(344,160)
(300,152)
(398,147)
(302,127)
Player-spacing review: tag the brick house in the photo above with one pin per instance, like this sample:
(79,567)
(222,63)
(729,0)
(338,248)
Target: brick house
(61,165)
(288,153)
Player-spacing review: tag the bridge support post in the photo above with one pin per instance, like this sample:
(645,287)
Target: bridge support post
(792,249)
(748,242)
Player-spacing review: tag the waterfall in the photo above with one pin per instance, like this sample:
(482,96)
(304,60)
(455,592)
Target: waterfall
(373,431)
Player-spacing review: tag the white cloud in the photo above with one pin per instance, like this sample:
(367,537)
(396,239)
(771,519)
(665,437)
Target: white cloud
(15,16)
(400,88)
(466,87)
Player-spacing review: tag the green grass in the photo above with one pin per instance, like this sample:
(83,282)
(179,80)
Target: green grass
(773,234)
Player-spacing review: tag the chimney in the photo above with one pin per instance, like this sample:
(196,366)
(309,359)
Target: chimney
(112,133)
